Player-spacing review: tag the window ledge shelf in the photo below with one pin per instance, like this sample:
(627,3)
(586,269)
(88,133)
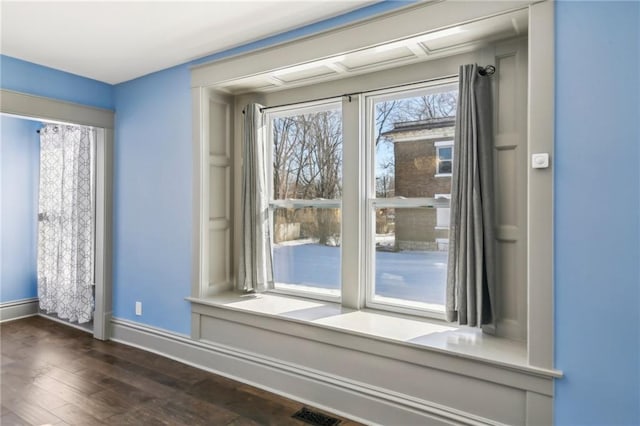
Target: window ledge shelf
(393,335)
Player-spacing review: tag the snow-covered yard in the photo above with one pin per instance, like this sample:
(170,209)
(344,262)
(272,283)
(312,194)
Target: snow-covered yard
(411,275)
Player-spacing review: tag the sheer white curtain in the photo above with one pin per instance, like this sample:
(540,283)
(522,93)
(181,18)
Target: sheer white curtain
(256,266)
(65,222)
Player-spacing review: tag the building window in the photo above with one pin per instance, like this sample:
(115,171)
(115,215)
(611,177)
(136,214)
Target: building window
(306,191)
(444,158)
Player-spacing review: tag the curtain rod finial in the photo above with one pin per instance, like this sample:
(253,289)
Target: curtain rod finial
(488,70)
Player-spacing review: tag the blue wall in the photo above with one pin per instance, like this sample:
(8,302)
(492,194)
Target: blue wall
(153,179)
(152,199)
(597,211)
(597,189)
(19,159)
(26,77)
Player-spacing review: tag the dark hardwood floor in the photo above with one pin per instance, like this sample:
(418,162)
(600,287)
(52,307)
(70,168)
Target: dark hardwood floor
(54,374)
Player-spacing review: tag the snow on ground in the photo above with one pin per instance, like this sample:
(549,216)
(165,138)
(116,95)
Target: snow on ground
(411,275)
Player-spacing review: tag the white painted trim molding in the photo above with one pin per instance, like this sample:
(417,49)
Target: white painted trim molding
(17,309)
(346,397)
(395,25)
(38,107)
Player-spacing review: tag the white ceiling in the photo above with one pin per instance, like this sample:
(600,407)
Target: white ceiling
(121,40)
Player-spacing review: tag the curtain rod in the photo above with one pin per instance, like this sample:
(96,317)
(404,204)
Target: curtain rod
(483,71)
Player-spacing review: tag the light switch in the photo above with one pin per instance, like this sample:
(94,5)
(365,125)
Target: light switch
(540,160)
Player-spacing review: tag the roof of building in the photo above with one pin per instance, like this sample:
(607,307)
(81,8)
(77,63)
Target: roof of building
(429,123)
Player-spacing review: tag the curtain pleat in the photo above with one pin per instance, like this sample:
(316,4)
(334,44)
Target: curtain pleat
(256,265)
(65,222)
(472,261)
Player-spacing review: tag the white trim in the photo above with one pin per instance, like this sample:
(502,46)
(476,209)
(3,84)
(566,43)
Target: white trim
(353,399)
(265,311)
(38,107)
(307,291)
(402,202)
(418,138)
(353,268)
(443,143)
(405,306)
(540,186)
(319,203)
(16,309)
(397,25)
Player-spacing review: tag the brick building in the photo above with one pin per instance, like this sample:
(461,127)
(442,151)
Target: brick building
(423,152)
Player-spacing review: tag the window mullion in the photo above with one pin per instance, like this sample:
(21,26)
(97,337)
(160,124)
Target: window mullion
(353,200)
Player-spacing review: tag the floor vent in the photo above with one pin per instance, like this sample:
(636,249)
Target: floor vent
(315,418)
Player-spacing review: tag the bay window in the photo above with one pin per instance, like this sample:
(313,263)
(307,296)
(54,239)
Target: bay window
(365,218)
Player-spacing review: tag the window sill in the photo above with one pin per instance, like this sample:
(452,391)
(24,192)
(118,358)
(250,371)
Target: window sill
(442,175)
(405,334)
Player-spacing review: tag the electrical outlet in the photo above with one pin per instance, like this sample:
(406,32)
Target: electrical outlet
(138,308)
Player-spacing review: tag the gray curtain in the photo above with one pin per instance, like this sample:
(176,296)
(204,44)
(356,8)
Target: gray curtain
(256,266)
(65,222)
(472,260)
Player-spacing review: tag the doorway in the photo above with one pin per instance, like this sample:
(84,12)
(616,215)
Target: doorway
(47,110)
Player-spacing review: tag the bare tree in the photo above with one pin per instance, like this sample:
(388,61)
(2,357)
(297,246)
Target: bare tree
(307,164)
(307,153)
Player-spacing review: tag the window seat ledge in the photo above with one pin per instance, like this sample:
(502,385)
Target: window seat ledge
(429,342)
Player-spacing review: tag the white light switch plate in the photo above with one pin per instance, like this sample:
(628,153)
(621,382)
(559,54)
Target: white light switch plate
(540,160)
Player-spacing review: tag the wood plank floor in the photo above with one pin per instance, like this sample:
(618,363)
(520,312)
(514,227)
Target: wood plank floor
(54,374)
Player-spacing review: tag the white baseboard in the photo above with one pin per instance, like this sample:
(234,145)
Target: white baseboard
(17,309)
(347,398)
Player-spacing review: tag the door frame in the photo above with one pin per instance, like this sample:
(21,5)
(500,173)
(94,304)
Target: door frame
(40,108)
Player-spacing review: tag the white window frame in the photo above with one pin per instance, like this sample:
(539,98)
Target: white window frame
(371,299)
(286,111)
(363,243)
(439,145)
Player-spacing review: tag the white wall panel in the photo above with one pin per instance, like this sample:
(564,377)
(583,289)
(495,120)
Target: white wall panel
(510,85)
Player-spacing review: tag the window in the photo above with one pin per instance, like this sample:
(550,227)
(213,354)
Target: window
(306,188)
(524,231)
(444,158)
(404,248)
(407,258)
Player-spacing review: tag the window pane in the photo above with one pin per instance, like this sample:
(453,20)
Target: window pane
(411,155)
(410,258)
(444,153)
(306,250)
(406,129)
(307,155)
(307,165)
(445,166)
